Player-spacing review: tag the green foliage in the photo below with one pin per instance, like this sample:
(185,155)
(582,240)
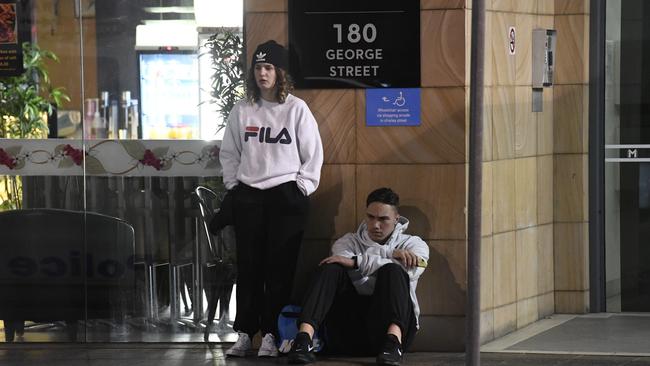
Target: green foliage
(226,49)
(6,206)
(24,98)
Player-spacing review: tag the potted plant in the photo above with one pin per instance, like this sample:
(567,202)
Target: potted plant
(25,98)
(226,50)
(26,101)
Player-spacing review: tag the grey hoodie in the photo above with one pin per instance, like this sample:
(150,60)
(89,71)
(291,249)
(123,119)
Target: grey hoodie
(371,256)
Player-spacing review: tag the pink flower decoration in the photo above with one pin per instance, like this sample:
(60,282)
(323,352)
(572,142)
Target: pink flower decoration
(7,160)
(75,154)
(150,159)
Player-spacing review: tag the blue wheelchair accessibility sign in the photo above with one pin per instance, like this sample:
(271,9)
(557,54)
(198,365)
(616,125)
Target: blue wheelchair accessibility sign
(393,107)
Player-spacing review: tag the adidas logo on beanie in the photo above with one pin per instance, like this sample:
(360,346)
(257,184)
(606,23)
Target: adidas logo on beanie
(271,52)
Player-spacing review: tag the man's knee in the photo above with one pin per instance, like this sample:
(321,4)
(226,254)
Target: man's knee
(332,269)
(393,271)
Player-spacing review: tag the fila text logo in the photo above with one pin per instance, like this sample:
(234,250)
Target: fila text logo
(263,134)
(261,57)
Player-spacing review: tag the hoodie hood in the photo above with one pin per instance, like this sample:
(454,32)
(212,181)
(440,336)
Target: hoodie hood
(371,256)
(400,227)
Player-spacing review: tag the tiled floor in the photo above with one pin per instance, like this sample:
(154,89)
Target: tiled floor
(194,355)
(97,332)
(621,334)
(566,340)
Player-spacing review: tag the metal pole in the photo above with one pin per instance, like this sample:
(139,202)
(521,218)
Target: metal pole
(597,298)
(473,311)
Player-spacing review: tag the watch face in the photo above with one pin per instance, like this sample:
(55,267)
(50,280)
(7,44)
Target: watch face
(422,262)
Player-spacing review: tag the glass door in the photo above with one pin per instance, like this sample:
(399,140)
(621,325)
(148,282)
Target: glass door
(102,235)
(627,152)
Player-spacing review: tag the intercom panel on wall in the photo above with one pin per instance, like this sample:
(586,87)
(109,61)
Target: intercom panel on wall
(544,41)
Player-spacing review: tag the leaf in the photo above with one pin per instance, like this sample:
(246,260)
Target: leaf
(167,165)
(226,50)
(20,164)
(66,162)
(58,150)
(134,148)
(6,205)
(94,166)
(160,151)
(13,150)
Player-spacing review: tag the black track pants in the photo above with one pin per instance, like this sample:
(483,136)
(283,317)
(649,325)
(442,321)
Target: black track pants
(269,226)
(355,324)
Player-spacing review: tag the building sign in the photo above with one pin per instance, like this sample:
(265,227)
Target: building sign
(354,43)
(627,153)
(11,55)
(393,107)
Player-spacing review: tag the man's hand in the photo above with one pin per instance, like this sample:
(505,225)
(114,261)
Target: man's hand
(345,262)
(405,256)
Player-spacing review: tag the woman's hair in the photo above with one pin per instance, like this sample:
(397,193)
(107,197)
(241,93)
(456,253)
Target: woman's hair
(283,83)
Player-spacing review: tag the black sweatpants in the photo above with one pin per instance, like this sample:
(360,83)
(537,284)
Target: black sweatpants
(356,324)
(269,226)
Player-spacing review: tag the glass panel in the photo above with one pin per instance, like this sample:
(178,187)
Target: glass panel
(627,168)
(164,290)
(129,259)
(42,252)
(146,156)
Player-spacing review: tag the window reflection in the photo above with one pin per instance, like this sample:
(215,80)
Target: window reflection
(119,89)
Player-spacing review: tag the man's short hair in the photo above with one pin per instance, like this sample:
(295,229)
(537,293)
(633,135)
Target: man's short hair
(383,195)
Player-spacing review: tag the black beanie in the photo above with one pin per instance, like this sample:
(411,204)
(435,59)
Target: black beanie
(272,53)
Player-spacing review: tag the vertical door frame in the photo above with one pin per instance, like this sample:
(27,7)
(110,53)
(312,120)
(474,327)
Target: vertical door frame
(597,269)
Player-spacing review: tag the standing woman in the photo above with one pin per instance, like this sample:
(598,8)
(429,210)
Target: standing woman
(271,157)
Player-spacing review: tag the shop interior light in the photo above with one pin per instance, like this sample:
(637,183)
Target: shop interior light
(219,13)
(169,9)
(156,35)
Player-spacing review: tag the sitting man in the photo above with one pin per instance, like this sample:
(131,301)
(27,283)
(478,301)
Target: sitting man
(364,293)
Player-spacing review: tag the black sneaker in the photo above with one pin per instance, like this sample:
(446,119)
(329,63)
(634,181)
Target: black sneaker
(302,349)
(391,352)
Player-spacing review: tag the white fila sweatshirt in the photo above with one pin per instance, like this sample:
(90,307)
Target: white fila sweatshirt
(266,144)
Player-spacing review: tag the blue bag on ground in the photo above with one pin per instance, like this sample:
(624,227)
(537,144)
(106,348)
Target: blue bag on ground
(288,328)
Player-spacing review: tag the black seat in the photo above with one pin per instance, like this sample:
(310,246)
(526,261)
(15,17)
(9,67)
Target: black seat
(64,265)
(220,264)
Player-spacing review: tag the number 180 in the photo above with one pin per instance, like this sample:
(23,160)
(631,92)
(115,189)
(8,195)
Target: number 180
(355,33)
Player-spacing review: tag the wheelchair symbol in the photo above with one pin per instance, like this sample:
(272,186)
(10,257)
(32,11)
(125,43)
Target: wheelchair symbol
(399,101)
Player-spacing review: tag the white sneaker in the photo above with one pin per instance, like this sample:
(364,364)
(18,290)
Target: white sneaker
(268,348)
(241,348)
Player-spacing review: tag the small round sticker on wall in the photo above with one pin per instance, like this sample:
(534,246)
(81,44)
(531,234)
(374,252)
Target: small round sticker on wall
(511,40)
